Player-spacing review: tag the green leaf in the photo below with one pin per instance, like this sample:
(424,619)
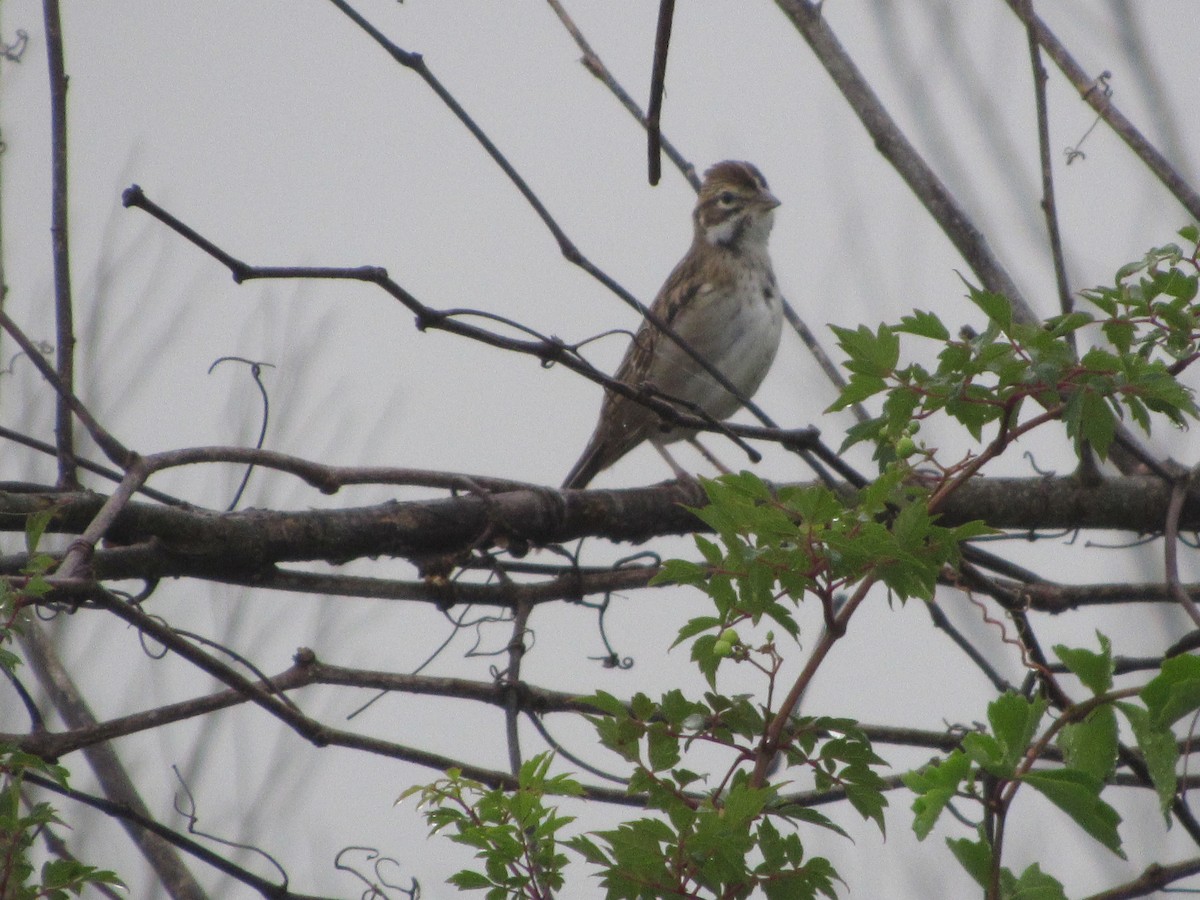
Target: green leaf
(695,626)
(935,786)
(1095,670)
(1078,795)
(923,324)
(606,702)
(1014,722)
(1058,326)
(469,881)
(663,749)
(1174,692)
(681,571)
(711,552)
(1120,333)
(987,753)
(974,856)
(870,353)
(35,526)
(1091,745)
(704,657)
(860,387)
(1034,884)
(1089,418)
(1160,751)
(995,306)
(1098,360)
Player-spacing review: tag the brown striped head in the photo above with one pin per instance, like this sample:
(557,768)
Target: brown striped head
(736,208)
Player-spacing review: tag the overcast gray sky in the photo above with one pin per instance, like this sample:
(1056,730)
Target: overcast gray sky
(280,131)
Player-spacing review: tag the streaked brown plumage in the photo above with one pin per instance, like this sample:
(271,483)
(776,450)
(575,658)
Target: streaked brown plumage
(722,300)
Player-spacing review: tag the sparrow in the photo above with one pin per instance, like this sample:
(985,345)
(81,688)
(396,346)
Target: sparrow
(723,301)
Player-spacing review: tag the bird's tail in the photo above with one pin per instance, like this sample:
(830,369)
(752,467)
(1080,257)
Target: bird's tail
(594,459)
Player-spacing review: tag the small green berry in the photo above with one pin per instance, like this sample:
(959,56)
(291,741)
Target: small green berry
(729,636)
(722,649)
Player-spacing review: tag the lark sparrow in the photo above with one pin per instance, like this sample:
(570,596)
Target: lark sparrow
(723,301)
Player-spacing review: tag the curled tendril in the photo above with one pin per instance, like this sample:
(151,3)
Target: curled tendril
(14,51)
(43,347)
(1100,84)
(255,373)
(188,811)
(374,889)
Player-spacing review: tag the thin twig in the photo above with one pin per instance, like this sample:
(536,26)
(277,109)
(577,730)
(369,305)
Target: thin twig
(416,62)
(658,77)
(592,62)
(117,453)
(63,313)
(103,471)
(904,158)
(512,685)
(140,822)
(548,349)
(1065,301)
(1152,881)
(1179,493)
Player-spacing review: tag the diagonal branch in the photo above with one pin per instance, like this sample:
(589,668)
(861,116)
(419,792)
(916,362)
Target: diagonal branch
(547,349)
(111,773)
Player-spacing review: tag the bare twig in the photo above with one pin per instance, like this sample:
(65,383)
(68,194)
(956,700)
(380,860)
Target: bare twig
(1179,493)
(63,313)
(511,682)
(1153,880)
(592,62)
(658,76)
(1065,301)
(113,449)
(896,148)
(139,821)
(103,471)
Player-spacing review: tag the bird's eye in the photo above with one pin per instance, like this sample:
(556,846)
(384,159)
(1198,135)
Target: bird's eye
(726,198)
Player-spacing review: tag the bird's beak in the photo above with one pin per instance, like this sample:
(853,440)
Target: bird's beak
(769,200)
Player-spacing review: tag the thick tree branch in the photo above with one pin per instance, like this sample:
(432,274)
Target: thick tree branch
(206,544)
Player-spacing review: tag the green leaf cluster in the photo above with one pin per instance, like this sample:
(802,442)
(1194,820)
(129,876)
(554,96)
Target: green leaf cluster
(992,764)
(706,849)
(707,839)
(1149,316)
(57,879)
(786,543)
(515,833)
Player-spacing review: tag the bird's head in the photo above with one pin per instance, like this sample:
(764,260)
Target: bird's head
(736,209)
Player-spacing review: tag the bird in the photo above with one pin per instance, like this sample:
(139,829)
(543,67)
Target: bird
(722,299)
